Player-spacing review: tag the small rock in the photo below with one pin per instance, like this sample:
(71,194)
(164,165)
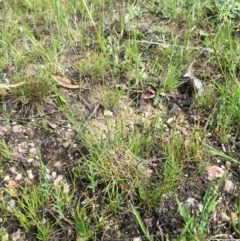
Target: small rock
(137,239)
(228,164)
(66,144)
(225,218)
(12,170)
(18,177)
(31,144)
(30,174)
(228,186)
(58,164)
(52,125)
(69,135)
(54,174)
(66,188)
(190,202)
(170,120)
(58,180)
(48,177)
(33,150)
(6,178)
(3,130)
(214,172)
(21,150)
(30,160)
(85,201)
(16,129)
(107,113)
(16,235)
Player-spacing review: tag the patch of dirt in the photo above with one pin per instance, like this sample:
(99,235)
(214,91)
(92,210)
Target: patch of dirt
(31,144)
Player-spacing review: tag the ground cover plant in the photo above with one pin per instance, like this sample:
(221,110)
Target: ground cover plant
(119,120)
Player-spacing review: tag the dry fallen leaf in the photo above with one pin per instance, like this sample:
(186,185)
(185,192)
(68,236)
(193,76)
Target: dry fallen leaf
(175,96)
(147,93)
(65,82)
(197,82)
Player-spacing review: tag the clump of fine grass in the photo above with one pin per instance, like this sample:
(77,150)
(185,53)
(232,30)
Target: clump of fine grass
(94,64)
(29,97)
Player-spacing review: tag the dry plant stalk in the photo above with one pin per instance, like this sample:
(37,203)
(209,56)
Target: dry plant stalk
(8,87)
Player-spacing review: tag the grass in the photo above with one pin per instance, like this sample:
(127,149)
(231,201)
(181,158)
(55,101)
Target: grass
(196,224)
(131,152)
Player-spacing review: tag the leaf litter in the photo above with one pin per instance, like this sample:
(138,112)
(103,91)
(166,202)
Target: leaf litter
(65,82)
(197,82)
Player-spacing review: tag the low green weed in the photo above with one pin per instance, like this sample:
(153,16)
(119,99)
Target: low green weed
(141,224)
(195,227)
(236,221)
(82,222)
(5,152)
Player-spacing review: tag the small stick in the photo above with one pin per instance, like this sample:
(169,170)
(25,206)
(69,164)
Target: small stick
(88,119)
(8,87)
(93,112)
(89,107)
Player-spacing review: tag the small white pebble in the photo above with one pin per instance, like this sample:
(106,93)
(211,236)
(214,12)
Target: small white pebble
(12,170)
(66,188)
(170,120)
(31,144)
(18,177)
(48,177)
(228,164)
(6,178)
(30,174)
(228,186)
(66,144)
(16,129)
(58,180)
(54,174)
(137,239)
(225,218)
(85,201)
(33,150)
(107,113)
